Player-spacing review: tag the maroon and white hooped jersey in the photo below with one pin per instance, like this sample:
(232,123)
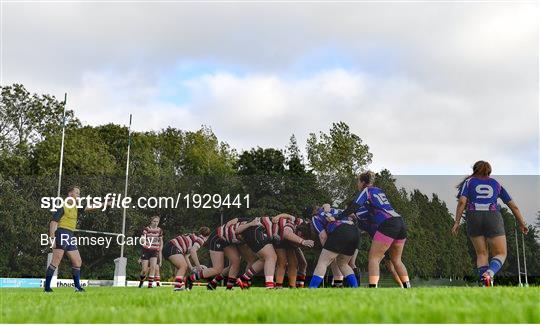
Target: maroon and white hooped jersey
(276,230)
(187,241)
(153,236)
(228,233)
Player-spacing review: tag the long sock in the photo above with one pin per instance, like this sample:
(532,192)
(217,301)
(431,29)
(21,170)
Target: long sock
(218,278)
(158,278)
(481,270)
(248,274)
(337,284)
(300,279)
(150,281)
(76,271)
(48,276)
(179,282)
(495,266)
(230,282)
(351,281)
(315,282)
(269,282)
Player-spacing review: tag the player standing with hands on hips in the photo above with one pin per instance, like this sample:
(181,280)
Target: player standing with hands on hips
(478,196)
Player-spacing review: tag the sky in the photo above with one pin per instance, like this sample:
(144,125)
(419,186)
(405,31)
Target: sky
(524,190)
(431,87)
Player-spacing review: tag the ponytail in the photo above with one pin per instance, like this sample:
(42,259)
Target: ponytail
(480,168)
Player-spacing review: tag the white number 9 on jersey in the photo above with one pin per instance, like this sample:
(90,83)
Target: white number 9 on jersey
(484,191)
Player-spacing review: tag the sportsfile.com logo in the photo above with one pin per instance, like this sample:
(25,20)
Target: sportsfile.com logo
(119,201)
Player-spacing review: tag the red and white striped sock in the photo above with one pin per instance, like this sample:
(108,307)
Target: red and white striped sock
(218,278)
(230,282)
(269,282)
(150,281)
(158,278)
(248,275)
(179,282)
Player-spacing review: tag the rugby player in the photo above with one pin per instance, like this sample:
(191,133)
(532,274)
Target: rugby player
(339,239)
(364,224)
(62,228)
(390,230)
(151,251)
(180,249)
(478,196)
(286,241)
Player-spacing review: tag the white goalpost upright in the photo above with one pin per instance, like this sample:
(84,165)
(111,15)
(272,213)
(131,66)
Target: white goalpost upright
(524,273)
(50,255)
(524,260)
(120,263)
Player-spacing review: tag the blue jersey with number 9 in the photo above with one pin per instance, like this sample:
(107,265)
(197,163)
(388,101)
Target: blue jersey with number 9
(482,194)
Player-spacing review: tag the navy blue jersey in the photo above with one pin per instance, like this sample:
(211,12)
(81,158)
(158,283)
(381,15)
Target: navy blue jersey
(320,221)
(363,221)
(482,194)
(374,200)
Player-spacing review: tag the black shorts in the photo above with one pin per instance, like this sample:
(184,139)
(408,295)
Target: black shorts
(394,228)
(148,254)
(484,223)
(283,244)
(256,238)
(343,240)
(170,250)
(216,243)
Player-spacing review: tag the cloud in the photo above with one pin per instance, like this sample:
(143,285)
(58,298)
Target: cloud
(409,129)
(431,87)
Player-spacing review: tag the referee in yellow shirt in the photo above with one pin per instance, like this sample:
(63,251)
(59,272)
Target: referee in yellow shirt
(62,228)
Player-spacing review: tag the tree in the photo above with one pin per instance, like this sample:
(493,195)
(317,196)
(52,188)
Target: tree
(25,120)
(336,158)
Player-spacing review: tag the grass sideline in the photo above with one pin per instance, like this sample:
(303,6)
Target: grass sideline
(257,305)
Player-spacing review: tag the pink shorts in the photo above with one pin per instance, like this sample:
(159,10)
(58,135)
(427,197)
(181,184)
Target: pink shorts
(382,238)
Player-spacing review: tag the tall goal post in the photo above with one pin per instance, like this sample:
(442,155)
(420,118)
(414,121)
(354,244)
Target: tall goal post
(59,188)
(120,263)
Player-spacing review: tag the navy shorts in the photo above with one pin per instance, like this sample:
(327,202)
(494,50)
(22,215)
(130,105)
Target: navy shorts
(343,240)
(147,254)
(485,223)
(216,243)
(256,238)
(65,239)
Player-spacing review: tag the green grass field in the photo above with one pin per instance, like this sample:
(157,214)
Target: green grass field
(161,305)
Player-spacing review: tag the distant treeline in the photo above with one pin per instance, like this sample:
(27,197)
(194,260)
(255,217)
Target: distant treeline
(172,161)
